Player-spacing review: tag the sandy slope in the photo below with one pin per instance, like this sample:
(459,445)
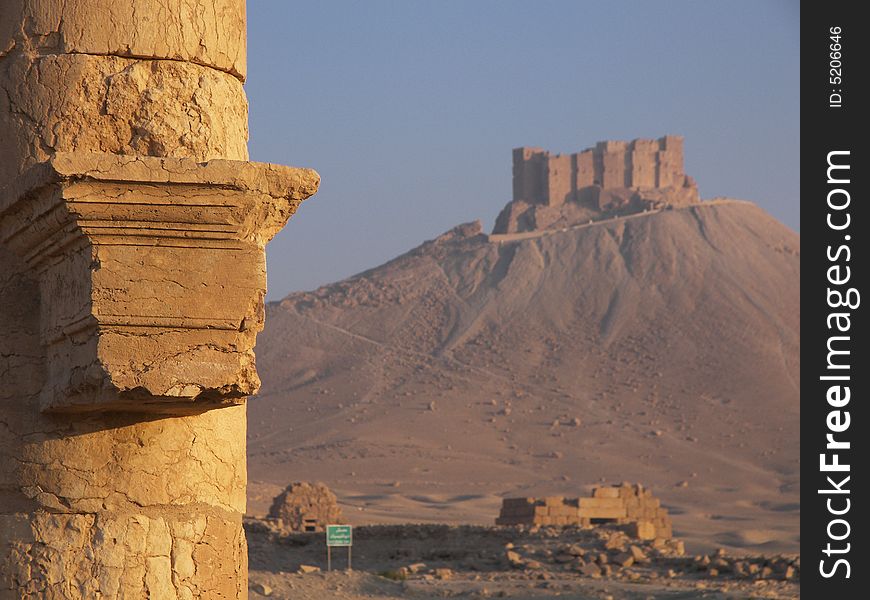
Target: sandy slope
(426,389)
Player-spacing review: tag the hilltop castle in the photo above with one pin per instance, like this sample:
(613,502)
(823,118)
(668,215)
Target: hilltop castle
(611,178)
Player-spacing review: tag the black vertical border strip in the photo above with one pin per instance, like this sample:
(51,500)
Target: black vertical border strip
(825,129)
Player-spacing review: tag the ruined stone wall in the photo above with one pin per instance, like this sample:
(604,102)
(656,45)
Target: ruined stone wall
(632,506)
(132,279)
(530,168)
(542,178)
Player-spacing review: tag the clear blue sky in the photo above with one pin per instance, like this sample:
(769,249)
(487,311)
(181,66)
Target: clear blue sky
(409,109)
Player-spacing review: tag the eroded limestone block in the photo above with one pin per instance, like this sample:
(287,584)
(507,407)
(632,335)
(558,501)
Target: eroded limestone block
(76,102)
(126,555)
(110,506)
(208,32)
(120,465)
(156,273)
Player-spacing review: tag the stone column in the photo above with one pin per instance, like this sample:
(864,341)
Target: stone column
(132,279)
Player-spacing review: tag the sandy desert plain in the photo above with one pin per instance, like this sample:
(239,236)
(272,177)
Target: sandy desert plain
(658,346)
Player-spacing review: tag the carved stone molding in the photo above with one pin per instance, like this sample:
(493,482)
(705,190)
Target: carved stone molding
(152,275)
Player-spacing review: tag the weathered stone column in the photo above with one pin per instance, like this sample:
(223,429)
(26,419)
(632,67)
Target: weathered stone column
(132,279)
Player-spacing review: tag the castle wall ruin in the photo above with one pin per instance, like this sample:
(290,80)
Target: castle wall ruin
(553,179)
(132,285)
(611,179)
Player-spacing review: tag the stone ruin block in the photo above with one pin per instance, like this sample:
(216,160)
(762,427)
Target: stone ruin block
(529,180)
(605,492)
(584,169)
(642,530)
(156,274)
(613,173)
(645,145)
(611,146)
(632,506)
(643,169)
(673,143)
(305,507)
(560,176)
(602,502)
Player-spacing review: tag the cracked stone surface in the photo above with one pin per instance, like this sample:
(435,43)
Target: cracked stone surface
(132,278)
(110,506)
(83,103)
(129,249)
(210,33)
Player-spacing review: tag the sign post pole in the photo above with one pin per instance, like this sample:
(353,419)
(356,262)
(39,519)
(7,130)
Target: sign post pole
(339,535)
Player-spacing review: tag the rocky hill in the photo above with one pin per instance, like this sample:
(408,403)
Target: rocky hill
(660,346)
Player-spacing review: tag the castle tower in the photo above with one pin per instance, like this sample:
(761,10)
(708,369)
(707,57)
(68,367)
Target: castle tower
(132,283)
(643,164)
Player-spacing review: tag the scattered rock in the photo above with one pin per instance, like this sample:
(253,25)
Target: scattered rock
(514,559)
(623,559)
(443,574)
(615,542)
(308,569)
(416,567)
(638,554)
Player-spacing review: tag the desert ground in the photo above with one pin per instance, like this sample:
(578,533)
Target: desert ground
(440,561)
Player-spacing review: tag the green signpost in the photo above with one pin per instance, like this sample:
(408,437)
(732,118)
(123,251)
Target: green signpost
(338,535)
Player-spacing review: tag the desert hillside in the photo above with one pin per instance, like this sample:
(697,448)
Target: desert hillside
(660,347)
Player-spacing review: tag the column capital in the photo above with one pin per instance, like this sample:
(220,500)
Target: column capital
(152,275)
